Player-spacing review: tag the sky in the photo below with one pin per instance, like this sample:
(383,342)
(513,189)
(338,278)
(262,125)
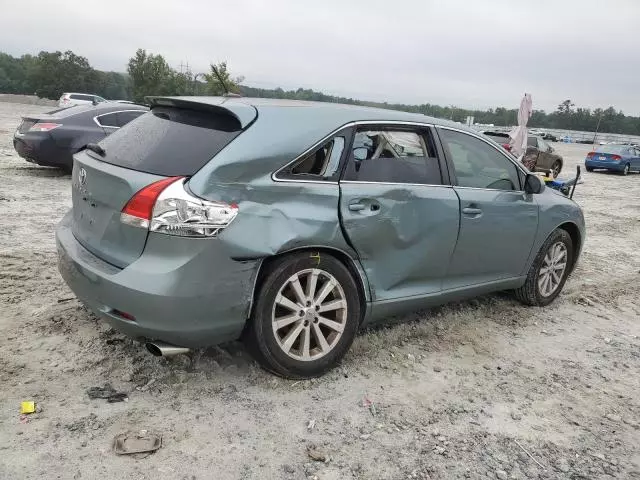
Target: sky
(466,53)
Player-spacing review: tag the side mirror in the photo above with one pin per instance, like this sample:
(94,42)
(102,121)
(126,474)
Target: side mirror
(360,153)
(533,184)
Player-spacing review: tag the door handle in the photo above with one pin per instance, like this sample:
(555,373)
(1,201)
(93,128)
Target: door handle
(471,211)
(356,207)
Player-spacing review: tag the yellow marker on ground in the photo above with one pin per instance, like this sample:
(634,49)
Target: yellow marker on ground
(27,407)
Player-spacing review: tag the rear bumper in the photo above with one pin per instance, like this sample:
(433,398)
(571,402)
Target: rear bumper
(42,149)
(182,291)
(616,166)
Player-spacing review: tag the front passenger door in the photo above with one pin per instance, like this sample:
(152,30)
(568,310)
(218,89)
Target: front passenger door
(498,221)
(398,212)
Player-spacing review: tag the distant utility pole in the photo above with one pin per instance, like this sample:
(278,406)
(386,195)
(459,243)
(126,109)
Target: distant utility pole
(597,128)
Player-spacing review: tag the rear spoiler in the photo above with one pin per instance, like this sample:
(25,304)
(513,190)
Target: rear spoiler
(244,113)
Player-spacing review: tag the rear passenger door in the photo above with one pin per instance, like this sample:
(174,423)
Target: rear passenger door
(398,210)
(498,221)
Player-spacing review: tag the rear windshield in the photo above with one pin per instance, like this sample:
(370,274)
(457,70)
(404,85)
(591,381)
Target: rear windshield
(618,149)
(170,141)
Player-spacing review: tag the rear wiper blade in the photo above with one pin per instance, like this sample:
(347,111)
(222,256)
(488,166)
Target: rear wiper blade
(94,147)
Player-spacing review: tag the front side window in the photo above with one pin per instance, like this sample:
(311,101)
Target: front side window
(542,145)
(477,164)
(393,156)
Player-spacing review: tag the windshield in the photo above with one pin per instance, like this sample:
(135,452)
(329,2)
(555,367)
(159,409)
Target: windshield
(617,149)
(170,141)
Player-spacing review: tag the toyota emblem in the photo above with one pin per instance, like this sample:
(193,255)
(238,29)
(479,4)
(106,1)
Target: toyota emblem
(82,177)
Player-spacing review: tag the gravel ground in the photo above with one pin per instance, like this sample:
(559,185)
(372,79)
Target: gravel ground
(481,389)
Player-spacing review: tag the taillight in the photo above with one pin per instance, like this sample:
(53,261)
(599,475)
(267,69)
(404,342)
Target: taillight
(139,209)
(44,127)
(506,146)
(590,154)
(616,158)
(166,207)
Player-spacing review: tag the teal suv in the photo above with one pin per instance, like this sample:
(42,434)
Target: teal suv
(293,224)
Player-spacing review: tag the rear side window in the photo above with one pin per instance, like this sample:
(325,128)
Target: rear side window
(126,116)
(170,141)
(108,120)
(319,164)
(532,142)
(393,156)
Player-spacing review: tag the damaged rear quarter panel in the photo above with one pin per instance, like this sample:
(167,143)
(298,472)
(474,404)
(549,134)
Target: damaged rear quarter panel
(280,216)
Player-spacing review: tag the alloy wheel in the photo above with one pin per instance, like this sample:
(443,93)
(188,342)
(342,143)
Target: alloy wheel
(552,269)
(309,314)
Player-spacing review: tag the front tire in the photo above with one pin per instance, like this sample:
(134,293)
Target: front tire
(549,271)
(306,315)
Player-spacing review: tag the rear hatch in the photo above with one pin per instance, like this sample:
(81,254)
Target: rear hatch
(175,139)
(606,157)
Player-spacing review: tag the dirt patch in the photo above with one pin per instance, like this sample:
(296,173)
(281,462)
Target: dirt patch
(481,389)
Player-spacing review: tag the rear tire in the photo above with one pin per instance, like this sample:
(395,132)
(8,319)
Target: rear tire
(626,170)
(556,168)
(589,169)
(549,270)
(306,315)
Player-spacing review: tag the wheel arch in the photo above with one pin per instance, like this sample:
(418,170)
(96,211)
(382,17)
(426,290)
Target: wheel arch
(576,238)
(345,258)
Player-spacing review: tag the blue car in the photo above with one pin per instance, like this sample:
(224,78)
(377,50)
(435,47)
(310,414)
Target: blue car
(618,158)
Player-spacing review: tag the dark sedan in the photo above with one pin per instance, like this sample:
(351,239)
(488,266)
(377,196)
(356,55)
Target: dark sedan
(52,138)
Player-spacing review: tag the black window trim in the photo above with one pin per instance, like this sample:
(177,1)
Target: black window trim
(454,179)
(95,119)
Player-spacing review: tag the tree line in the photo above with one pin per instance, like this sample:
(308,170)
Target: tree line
(49,74)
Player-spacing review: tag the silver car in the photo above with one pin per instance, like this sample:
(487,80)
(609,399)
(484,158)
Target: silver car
(293,224)
(71,99)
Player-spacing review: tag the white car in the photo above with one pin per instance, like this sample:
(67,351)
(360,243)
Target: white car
(71,99)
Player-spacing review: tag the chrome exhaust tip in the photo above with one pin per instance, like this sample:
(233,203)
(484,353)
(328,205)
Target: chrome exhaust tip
(161,349)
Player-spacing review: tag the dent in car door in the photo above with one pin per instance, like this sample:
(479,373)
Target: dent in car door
(498,221)
(403,227)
